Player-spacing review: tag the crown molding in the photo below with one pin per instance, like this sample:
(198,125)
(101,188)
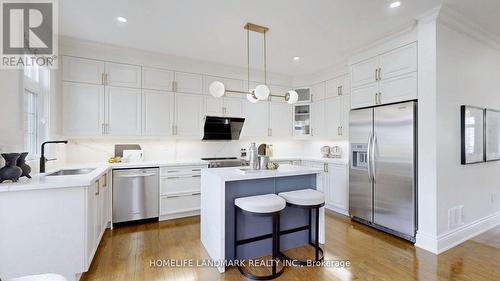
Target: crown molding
(459,22)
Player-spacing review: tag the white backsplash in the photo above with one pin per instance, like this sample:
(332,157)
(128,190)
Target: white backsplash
(99,150)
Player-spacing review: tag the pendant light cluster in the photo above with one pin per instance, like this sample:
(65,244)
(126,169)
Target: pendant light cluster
(261,92)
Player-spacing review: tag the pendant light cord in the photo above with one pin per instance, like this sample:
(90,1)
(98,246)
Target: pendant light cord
(248,59)
(265,60)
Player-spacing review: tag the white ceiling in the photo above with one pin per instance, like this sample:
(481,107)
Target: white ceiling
(485,13)
(321,32)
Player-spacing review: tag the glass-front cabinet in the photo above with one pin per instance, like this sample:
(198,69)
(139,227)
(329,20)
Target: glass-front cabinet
(302,120)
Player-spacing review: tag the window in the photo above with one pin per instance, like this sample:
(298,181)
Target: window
(35,108)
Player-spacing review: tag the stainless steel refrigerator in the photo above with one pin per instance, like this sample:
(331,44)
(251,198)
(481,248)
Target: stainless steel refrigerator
(382,174)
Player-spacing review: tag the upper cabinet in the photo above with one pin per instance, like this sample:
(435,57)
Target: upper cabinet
(226,106)
(280,119)
(188,115)
(82,109)
(188,83)
(83,70)
(398,62)
(123,75)
(256,119)
(338,86)
(302,120)
(319,119)
(157,113)
(387,78)
(123,111)
(157,79)
(318,91)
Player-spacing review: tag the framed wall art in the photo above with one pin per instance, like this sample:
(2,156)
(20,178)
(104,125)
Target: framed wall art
(472,133)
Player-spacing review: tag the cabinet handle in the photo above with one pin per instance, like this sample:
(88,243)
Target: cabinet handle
(108,128)
(174,86)
(341,130)
(196,193)
(376,74)
(379,73)
(270,132)
(97,192)
(102,79)
(103,129)
(312,132)
(196,170)
(196,176)
(325,168)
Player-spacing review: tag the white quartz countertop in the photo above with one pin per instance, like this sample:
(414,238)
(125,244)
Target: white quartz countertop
(244,173)
(40,181)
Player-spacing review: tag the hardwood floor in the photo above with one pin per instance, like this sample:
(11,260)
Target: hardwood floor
(125,254)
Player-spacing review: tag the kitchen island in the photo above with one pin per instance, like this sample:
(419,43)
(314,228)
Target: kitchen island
(219,188)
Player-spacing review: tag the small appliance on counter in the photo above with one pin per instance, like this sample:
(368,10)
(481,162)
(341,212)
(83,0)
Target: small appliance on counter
(325,151)
(128,153)
(335,152)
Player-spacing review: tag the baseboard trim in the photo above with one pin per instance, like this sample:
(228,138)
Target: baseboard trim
(457,236)
(179,215)
(444,242)
(337,210)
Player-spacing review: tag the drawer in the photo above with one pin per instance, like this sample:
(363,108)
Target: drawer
(180,170)
(180,184)
(179,204)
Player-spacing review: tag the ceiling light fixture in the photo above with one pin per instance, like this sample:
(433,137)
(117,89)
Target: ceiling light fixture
(121,19)
(262,91)
(395,4)
(296,58)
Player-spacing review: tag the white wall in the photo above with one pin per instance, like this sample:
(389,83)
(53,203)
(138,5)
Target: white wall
(468,73)
(11,124)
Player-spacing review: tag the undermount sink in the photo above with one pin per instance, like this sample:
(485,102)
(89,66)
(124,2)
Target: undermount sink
(71,172)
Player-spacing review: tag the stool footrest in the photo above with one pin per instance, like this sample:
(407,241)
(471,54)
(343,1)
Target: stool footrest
(270,235)
(301,262)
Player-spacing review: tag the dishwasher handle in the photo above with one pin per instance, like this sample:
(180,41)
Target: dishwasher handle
(136,175)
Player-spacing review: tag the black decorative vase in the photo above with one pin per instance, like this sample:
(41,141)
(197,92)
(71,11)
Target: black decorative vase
(11,171)
(21,163)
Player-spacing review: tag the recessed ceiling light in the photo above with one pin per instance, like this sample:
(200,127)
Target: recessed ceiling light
(296,58)
(395,4)
(121,19)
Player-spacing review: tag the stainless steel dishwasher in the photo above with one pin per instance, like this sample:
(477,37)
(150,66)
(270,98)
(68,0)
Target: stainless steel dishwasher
(135,194)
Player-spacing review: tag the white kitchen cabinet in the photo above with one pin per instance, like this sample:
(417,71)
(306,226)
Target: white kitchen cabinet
(319,118)
(190,83)
(302,120)
(180,191)
(82,109)
(256,119)
(157,79)
(213,106)
(400,61)
(388,78)
(226,106)
(82,70)
(97,217)
(337,188)
(318,91)
(346,109)
(280,119)
(157,113)
(333,113)
(188,115)
(364,72)
(364,96)
(399,88)
(233,106)
(123,111)
(339,86)
(231,84)
(123,75)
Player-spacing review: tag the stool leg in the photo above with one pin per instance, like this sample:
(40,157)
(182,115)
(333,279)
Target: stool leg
(310,226)
(275,242)
(316,243)
(235,236)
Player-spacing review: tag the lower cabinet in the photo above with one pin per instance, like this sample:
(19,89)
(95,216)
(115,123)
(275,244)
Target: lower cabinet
(335,185)
(98,216)
(180,191)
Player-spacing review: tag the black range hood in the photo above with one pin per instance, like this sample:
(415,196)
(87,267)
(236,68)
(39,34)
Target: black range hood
(222,128)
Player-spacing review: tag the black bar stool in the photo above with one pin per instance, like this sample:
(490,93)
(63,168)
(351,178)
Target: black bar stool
(312,200)
(269,205)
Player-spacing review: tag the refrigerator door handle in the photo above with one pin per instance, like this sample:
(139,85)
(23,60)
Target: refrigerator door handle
(369,157)
(372,154)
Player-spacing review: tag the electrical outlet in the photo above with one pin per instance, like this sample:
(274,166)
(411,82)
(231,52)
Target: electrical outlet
(455,217)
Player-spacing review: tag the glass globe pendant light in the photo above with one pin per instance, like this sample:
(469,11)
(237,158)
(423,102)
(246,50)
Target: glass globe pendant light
(217,89)
(291,97)
(251,96)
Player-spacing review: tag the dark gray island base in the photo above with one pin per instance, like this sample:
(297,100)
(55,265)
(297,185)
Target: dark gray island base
(253,226)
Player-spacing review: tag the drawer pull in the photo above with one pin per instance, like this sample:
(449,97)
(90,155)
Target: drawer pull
(197,193)
(196,176)
(196,170)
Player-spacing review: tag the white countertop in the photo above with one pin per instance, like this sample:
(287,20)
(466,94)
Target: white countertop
(40,181)
(236,174)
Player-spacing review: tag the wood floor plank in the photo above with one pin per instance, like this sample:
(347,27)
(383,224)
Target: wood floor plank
(125,253)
